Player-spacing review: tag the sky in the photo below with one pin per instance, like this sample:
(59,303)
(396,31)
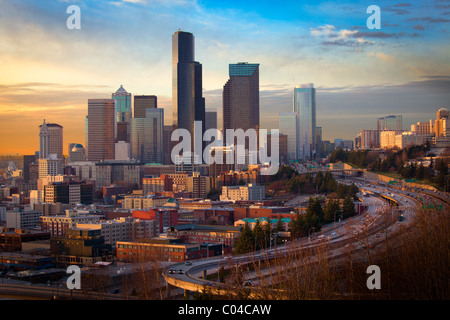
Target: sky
(48,71)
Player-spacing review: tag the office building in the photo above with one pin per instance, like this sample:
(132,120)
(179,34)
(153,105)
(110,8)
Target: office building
(50,166)
(305,109)
(80,246)
(122,150)
(122,99)
(59,224)
(23,219)
(250,192)
(123,115)
(406,139)
(210,119)
(422,127)
(188,104)
(171,250)
(143,102)
(390,123)
(77,153)
(101,128)
(111,172)
(288,127)
(69,192)
(147,137)
(441,126)
(50,140)
(28,160)
(123,229)
(387,138)
(370,139)
(241,98)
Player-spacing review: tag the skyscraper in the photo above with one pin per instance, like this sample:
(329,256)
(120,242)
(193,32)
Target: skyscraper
(50,140)
(147,137)
(305,108)
(44,141)
(210,119)
(241,97)
(188,104)
(288,126)
(143,102)
(123,114)
(389,123)
(101,113)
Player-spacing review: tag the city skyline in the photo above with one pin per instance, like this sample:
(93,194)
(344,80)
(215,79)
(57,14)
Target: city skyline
(50,72)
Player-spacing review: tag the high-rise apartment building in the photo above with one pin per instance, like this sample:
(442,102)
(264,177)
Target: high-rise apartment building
(101,113)
(305,108)
(188,104)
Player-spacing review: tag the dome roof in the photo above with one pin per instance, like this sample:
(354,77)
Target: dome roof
(78,147)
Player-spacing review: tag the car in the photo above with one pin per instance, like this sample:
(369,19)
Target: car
(172,271)
(188,263)
(180,271)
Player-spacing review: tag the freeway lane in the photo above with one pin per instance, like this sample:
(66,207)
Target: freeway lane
(353,234)
(337,234)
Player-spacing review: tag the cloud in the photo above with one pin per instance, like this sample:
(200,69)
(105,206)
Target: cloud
(343,37)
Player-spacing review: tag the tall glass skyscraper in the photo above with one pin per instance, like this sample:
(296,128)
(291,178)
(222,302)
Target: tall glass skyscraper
(123,114)
(305,109)
(188,104)
(288,126)
(141,103)
(389,123)
(241,97)
(147,136)
(123,105)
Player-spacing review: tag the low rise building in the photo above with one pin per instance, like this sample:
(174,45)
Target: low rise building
(172,250)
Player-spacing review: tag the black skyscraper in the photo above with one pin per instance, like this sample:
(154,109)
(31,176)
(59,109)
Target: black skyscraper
(188,104)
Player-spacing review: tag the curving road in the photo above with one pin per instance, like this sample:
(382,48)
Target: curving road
(353,234)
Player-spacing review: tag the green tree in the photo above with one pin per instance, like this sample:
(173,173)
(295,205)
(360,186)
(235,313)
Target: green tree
(331,210)
(348,207)
(245,242)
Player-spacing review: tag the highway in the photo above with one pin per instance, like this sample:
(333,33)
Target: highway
(356,234)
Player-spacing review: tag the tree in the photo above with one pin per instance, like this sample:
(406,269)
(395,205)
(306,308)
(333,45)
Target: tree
(279,227)
(331,210)
(258,235)
(348,207)
(244,243)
